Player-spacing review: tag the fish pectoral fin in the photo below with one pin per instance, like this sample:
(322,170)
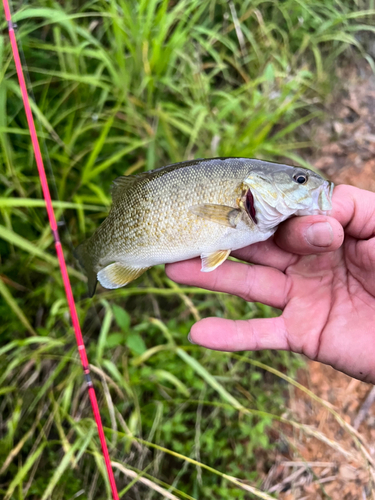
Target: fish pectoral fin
(211,261)
(117,275)
(221,214)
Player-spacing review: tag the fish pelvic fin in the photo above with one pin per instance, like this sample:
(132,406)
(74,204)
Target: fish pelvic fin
(117,275)
(82,255)
(213,260)
(221,214)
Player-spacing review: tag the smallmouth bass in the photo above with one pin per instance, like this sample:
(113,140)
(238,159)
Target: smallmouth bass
(205,207)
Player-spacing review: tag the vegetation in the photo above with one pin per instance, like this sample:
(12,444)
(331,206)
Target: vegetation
(124,86)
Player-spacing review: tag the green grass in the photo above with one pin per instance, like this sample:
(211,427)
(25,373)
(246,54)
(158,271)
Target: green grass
(122,87)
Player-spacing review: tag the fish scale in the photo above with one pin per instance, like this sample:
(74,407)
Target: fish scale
(206,208)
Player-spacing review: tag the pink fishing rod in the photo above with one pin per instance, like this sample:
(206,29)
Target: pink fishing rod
(59,250)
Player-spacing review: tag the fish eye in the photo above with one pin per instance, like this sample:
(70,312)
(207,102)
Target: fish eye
(300,178)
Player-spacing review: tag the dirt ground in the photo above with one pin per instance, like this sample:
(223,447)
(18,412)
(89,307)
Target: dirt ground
(332,454)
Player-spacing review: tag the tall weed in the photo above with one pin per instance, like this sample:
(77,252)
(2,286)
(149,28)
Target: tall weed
(124,86)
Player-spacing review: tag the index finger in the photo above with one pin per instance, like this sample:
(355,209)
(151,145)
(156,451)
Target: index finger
(252,283)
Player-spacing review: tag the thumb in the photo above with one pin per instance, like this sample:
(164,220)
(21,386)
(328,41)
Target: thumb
(310,235)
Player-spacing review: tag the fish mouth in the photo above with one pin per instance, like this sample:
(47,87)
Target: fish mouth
(267,205)
(321,200)
(324,201)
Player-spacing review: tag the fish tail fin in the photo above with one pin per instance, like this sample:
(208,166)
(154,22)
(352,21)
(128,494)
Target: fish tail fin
(83,256)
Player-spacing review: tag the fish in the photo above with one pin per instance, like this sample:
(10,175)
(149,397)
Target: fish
(204,207)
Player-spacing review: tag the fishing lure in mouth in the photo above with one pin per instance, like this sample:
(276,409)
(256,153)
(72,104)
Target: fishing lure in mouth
(205,207)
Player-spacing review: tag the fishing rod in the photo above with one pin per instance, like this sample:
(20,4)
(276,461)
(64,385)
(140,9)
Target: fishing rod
(59,249)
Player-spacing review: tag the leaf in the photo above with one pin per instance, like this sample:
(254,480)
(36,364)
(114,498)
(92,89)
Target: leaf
(30,202)
(210,379)
(135,343)
(89,80)
(165,375)
(98,145)
(6,390)
(22,471)
(122,318)
(8,297)
(17,240)
(113,159)
(116,375)
(115,339)
(106,325)
(59,471)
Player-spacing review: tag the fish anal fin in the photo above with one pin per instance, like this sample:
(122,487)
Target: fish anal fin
(117,275)
(211,261)
(221,214)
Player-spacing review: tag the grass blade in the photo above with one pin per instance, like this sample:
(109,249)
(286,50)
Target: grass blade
(22,471)
(8,297)
(210,379)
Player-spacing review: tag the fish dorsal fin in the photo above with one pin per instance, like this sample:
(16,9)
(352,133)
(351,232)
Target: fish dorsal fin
(221,214)
(211,261)
(117,275)
(125,182)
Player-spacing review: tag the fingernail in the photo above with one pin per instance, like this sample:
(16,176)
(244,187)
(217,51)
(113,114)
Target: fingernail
(189,339)
(320,234)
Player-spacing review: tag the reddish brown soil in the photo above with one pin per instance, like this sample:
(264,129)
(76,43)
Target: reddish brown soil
(342,467)
(326,458)
(347,140)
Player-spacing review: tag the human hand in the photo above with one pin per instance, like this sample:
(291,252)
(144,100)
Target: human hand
(324,284)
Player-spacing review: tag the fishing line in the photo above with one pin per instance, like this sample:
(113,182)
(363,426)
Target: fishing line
(59,250)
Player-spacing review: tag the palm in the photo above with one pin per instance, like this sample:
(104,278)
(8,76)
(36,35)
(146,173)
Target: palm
(327,294)
(329,314)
